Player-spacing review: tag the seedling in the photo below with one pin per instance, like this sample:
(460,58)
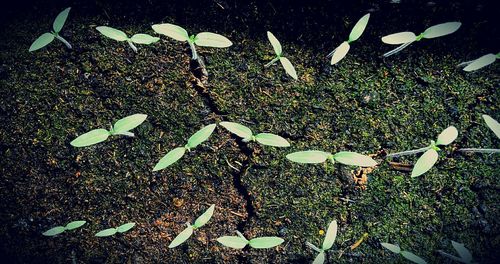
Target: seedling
(46,38)
(203,39)
(119,35)
(174,155)
(112,231)
(121,127)
(406,254)
(60,229)
(247,135)
(341,51)
(495,127)
(430,156)
(199,222)
(240,241)
(290,70)
(406,38)
(464,254)
(480,62)
(331,235)
(344,157)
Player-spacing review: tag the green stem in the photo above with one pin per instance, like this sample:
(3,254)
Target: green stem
(408,152)
(63,41)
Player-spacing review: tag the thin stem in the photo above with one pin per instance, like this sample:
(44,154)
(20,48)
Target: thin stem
(63,41)
(313,247)
(331,53)
(132,46)
(398,49)
(479,150)
(408,152)
(271,62)
(465,63)
(194,55)
(450,256)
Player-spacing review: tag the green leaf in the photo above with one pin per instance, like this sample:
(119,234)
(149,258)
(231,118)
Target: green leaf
(42,41)
(208,39)
(394,248)
(170,158)
(481,62)
(320,258)
(106,232)
(90,138)
(112,33)
(54,231)
(358,29)
(205,217)
(144,39)
(464,253)
(340,52)
(60,20)
(200,136)
(425,163)
(171,30)
(331,235)
(181,237)
(237,129)
(265,242)
(74,225)
(128,123)
(290,70)
(440,30)
(412,257)
(492,124)
(233,241)
(354,159)
(275,43)
(308,156)
(447,136)
(271,140)
(125,227)
(399,38)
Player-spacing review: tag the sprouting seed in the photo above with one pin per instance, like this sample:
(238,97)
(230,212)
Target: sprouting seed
(60,229)
(330,237)
(240,241)
(263,138)
(46,38)
(464,255)
(480,62)
(341,51)
(344,157)
(406,254)
(188,231)
(289,69)
(495,127)
(112,231)
(119,35)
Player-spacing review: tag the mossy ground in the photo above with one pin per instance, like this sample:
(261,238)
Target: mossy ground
(365,104)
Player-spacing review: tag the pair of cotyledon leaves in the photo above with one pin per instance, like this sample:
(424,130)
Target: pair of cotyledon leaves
(240,241)
(406,254)
(331,235)
(112,231)
(344,157)
(60,229)
(341,51)
(287,65)
(199,222)
(46,38)
(119,35)
(406,38)
(464,254)
(480,62)
(121,127)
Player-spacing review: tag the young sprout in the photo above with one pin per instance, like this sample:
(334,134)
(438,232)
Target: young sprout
(247,135)
(495,127)
(480,62)
(430,156)
(199,222)
(240,241)
(119,35)
(60,229)
(344,157)
(464,254)
(203,39)
(112,231)
(331,235)
(406,38)
(46,38)
(339,53)
(174,155)
(290,70)
(121,127)
(406,254)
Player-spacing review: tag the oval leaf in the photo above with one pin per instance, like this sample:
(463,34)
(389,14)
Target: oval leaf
(237,129)
(462,251)
(394,248)
(200,136)
(54,231)
(425,163)
(112,33)
(440,30)
(106,232)
(265,242)
(90,138)
(290,70)
(180,238)
(42,41)
(208,39)
(492,124)
(271,140)
(144,39)
(340,52)
(320,258)
(171,30)
(481,62)
(205,217)
(233,241)
(447,136)
(170,158)
(308,156)
(125,227)
(275,43)
(358,29)
(412,257)
(74,225)
(354,159)
(128,123)
(399,38)
(60,20)
(331,235)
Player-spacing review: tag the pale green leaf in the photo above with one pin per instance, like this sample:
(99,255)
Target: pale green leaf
(128,123)
(42,41)
(271,140)
(440,30)
(354,159)
(54,231)
(237,129)
(464,253)
(106,232)
(60,20)
(171,30)
(394,248)
(125,227)
(208,39)
(144,39)
(447,136)
(492,124)
(358,29)
(233,241)
(265,242)
(481,62)
(205,217)
(170,158)
(320,258)
(425,163)
(413,258)
(308,156)
(181,237)
(275,43)
(112,33)
(74,225)
(290,70)
(399,38)
(201,136)
(340,52)
(90,138)
(331,235)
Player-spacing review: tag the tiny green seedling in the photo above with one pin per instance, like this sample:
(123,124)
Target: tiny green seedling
(174,155)
(263,138)
(290,70)
(112,231)
(199,222)
(121,127)
(119,35)
(406,38)
(464,254)
(203,39)
(430,156)
(480,62)
(344,157)
(495,127)
(60,229)
(331,235)
(46,38)
(406,254)
(240,241)
(341,51)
